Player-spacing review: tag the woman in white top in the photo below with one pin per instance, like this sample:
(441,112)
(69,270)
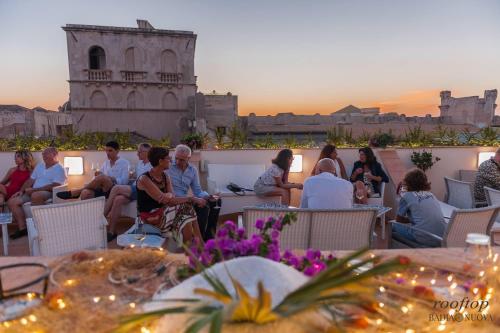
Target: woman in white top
(121,195)
(274,181)
(330,151)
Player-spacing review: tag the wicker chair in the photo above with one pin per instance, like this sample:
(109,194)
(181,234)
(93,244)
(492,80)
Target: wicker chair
(295,236)
(462,222)
(461,194)
(64,228)
(55,199)
(347,229)
(343,229)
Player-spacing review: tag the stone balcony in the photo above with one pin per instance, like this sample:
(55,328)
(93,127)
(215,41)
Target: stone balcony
(173,78)
(134,76)
(98,74)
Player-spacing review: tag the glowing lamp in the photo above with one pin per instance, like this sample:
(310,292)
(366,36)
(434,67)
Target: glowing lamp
(74,165)
(296,164)
(484,156)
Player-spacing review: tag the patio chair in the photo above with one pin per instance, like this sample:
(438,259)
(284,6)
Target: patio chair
(467,175)
(461,194)
(54,199)
(343,229)
(378,200)
(493,199)
(462,222)
(295,236)
(68,227)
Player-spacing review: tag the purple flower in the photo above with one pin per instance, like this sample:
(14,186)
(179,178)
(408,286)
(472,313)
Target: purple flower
(241,232)
(222,232)
(210,245)
(287,254)
(312,254)
(277,225)
(275,234)
(259,224)
(230,225)
(400,280)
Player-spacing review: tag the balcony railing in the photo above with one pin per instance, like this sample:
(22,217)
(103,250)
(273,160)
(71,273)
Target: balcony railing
(98,74)
(134,76)
(169,77)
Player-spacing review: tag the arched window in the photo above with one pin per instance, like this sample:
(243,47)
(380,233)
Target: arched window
(169,101)
(98,100)
(168,62)
(97,58)
(135,100)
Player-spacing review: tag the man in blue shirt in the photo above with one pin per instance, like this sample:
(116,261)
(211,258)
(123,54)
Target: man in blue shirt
(184,176)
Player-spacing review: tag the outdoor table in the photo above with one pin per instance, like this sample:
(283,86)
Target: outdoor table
(139,240)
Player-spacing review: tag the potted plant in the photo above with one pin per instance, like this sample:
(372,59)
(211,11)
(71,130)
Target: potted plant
(424,160)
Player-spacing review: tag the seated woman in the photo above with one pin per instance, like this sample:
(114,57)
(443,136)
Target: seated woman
(157,205)
(330,151)
(420,208)
(274,181)
(16,176)
(367,175)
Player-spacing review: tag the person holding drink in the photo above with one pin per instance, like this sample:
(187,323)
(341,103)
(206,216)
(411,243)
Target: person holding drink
(367,175)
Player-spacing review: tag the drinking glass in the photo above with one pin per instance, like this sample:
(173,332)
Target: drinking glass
(216,196)
(140,234)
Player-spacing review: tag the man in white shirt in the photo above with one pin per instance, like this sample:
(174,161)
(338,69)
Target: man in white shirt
(38,189)
(121,195)
(325,190)
(115,171)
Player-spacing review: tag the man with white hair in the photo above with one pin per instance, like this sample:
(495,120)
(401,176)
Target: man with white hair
(325,190)
(184,176)
(38,189)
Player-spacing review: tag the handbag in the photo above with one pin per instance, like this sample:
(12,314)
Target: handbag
(237,189)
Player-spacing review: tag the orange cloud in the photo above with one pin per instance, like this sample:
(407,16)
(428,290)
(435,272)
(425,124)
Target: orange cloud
(413,103)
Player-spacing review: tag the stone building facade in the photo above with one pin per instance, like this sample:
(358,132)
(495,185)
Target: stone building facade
(471,110)
(131,79)
(16,120)
(215,112)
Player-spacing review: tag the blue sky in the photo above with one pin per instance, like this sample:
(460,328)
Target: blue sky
(277,55)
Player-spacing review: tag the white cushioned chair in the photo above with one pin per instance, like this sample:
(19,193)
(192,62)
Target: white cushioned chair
(59,229)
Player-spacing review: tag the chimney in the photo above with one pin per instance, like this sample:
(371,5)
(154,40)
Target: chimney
(144,24)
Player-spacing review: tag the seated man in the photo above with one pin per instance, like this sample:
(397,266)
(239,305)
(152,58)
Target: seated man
(325,190)
(114,172)
(38,189)
(185,176)
(420,209)
(121,195)
(488,175)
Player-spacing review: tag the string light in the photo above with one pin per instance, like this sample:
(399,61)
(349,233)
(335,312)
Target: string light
(61,304)
(410,331)
(453,285)
(100,259)
(422,268)
(379,321)
(381,304)
(475,290)
(24,321)
(433,281)
(404,309)
(32,318)
(112,298)
(382,289)
(96,299)
(69,283)
(441,327)
(132,305)
(481,274)
(450,277)
(145,330)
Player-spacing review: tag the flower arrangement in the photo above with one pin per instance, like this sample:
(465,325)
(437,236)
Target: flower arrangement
(232,242)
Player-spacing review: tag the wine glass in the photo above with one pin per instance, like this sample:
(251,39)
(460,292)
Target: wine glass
(216,196)
(140,234)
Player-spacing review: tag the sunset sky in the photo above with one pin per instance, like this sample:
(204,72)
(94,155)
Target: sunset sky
(278,55)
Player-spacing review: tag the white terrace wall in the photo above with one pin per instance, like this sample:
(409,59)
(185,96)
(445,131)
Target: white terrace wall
(453,159)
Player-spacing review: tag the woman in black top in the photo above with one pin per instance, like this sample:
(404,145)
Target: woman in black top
(367,175)
(157,205)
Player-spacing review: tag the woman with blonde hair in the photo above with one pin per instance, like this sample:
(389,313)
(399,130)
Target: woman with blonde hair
(16,176)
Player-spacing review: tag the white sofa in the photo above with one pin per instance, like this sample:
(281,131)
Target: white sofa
(244,175)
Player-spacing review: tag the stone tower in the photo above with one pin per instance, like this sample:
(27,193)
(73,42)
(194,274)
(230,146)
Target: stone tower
(470,110)
(131,79)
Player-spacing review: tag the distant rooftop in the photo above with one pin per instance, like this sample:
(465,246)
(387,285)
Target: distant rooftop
(143,26)
(19,108)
